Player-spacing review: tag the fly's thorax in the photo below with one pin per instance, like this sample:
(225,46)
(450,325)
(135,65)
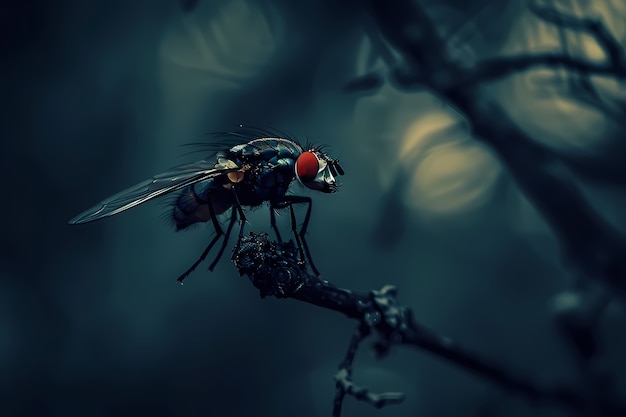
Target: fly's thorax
(270,181)
(275,162)
(267,149)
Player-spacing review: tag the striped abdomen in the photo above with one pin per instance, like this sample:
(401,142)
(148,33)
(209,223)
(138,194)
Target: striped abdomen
(192,204)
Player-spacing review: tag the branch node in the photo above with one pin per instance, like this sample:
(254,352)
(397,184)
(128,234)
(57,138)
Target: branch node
(345,385)
(378,400)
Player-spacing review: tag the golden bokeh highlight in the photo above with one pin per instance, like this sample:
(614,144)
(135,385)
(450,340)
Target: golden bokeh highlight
(448,171)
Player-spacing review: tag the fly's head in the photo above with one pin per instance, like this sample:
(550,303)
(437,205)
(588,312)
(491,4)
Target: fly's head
(317,171)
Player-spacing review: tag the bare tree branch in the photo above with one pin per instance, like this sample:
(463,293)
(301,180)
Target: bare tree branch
(496,68)
(343,378)
(578,84)
(274,269)
(420,44)
(594,27)
(587,240)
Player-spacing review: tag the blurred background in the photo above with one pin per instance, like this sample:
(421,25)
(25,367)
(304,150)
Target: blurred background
(97,96)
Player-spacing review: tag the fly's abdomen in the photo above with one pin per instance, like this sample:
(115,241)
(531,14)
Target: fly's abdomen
(192,204)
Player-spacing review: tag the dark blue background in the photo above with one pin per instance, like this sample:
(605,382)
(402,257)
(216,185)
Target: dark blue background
(98,95)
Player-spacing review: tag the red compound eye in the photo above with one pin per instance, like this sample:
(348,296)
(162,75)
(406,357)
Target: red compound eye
(307,166)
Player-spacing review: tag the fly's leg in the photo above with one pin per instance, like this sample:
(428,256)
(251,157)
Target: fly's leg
(218,233)
(300,236)
(231,223)
(242,218)
(294,229)
(273,224)
(305,225)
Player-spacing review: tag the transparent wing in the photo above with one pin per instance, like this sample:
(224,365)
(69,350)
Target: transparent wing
(159,185)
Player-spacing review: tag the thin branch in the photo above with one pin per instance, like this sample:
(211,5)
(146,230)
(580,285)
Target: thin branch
(589,243)
(594,27)
(420,45)
(378,44)
(272,267)
(344,376)
(496,68)
(579,84)
(587,240)
(345,385)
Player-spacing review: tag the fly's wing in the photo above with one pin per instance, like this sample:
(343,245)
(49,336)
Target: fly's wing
(161,184)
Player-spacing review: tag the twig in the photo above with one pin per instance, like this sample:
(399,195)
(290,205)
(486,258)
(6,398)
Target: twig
(588,241)
(496,68)
(345,385)
(594,27)
(274,269)
(577,313)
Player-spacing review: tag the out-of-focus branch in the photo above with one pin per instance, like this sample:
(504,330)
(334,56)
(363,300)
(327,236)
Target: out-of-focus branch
(496,68)
(613,66)
(406,26)
(588,242)
(420,45)
(578,84)
(594,27)
(344,382)
(274,268)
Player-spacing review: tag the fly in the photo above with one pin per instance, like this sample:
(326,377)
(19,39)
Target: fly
(247,174)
